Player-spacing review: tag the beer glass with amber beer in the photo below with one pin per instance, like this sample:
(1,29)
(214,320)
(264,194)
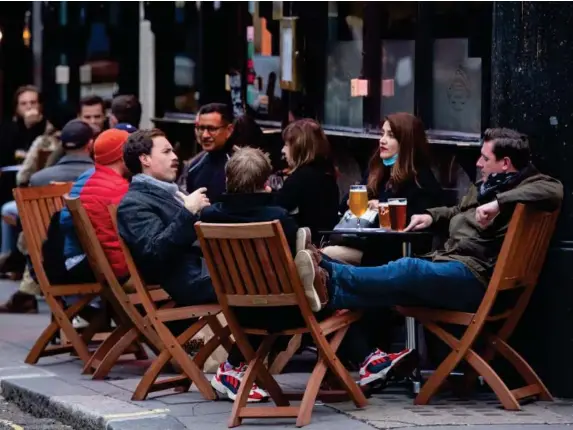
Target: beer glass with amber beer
(358,201)
(384,216)
(398,208)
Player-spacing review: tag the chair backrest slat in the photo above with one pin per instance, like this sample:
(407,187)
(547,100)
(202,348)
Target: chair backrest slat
(262,258)
(267,267)
(524,248)
(231,266)
(36,205)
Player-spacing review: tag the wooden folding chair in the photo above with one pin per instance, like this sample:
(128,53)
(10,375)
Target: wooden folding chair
(36,205)
(130,325)
(171,347)
(251,266)
(517,270)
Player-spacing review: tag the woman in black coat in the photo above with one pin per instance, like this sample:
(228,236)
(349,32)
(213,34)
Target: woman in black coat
(399,168)
(310,192)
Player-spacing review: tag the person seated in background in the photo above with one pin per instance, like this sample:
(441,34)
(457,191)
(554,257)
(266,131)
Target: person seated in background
(98,188)
(248,200)
(310,191)
(125,113)
(77,139)
(400,167)
(455,277)
(213,129)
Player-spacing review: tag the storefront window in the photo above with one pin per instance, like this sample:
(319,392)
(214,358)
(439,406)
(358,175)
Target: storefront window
(263,61)
(457,87)
(186,39)
(343,63)
(461,42)
(398,66)
(100,71)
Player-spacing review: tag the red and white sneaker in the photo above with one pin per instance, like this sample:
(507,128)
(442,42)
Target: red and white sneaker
(228,379)
(379,364)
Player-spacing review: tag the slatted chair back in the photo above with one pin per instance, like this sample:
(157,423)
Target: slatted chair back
(254,265)
(36,206)
(130,325)
(173,346)
(517,271)
(251,266)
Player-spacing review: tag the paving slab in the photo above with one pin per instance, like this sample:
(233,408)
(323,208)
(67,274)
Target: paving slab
(56,389)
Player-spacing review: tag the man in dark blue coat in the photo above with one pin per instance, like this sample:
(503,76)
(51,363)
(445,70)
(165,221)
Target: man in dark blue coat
(213,131)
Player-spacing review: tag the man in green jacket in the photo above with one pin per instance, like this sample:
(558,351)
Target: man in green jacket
(457,276)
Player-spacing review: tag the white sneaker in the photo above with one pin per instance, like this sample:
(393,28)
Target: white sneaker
(228,382)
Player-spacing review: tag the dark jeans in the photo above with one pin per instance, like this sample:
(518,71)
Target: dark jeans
(404,282)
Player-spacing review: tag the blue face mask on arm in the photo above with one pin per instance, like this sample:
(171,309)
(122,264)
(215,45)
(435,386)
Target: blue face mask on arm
(390,161)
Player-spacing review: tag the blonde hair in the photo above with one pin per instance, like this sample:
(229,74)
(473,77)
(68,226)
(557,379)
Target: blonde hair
(306,141)
(248,170)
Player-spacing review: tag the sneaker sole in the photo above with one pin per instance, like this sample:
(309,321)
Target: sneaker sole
(383,375)
(301,240)
(305,269)
(221,389)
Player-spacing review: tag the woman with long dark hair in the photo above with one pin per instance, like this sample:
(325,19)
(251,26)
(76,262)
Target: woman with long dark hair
(400,167)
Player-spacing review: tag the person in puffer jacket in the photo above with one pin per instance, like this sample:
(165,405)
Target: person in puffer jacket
(97,188)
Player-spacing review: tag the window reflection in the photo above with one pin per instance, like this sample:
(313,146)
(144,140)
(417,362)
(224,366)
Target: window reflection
(186,40)
(457,87)
(100,70)
(344,63)
(397,76)
(263,62)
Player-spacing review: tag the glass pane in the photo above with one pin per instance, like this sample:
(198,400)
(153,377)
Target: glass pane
(457,87)
(343,63)
(263,62)
(186,40)
(100,70)
(398,61)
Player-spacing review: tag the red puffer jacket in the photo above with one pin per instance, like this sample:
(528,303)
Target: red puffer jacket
(97,189)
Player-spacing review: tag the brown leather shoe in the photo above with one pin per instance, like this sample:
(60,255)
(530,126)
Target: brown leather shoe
(20,303)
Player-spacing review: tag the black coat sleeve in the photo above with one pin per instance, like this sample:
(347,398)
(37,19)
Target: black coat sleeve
(155,242)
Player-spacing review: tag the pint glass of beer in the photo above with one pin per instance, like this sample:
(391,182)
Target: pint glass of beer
(358,201)
(384,216)
(398,209)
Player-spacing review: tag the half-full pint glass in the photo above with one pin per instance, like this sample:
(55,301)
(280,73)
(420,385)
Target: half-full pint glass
(384,216)
(398,208)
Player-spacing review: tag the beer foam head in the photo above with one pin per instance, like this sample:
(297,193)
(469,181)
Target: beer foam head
(402,202)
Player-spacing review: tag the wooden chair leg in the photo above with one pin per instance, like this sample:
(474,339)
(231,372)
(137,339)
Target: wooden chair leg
(40,347)
(282,358)
(189,367)
(114,353)
(104,348)
(521,366)
(222,338)
(328,352)
(257,370)
(501,390)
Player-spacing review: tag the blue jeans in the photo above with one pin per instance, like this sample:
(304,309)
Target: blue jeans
(9,233)
(404,282)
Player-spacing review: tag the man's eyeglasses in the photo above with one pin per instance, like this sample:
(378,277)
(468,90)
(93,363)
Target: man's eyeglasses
(199,129)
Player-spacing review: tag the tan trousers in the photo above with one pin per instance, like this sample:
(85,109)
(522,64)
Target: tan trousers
(344,254)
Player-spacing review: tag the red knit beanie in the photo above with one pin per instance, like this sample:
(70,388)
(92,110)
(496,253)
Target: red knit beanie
(108,147)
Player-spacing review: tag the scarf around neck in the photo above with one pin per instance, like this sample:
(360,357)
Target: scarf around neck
(497,183)
(170,187)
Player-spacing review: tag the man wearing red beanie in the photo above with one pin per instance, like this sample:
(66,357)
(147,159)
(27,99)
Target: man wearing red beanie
(98,188)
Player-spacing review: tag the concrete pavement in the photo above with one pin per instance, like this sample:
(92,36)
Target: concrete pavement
(55,389)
